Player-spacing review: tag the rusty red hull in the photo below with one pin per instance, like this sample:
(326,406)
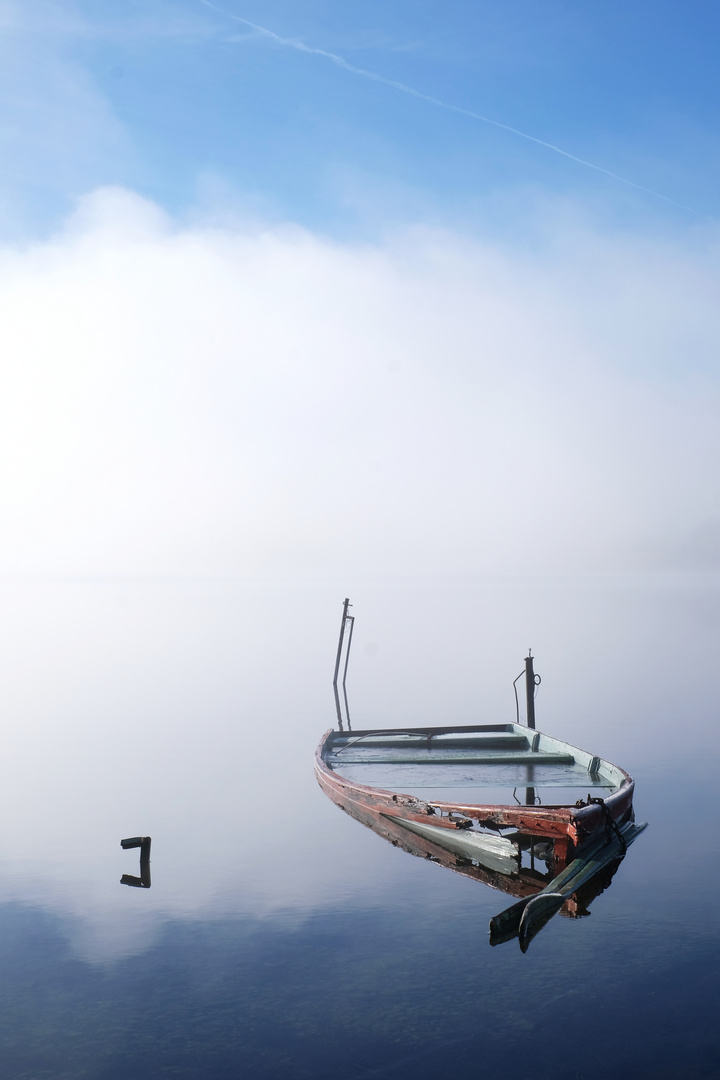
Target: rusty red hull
(526,883)
(568,827)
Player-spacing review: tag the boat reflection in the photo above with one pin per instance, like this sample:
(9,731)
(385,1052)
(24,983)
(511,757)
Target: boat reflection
(529,868)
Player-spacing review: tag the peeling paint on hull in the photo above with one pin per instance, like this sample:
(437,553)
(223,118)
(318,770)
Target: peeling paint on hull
(569,826)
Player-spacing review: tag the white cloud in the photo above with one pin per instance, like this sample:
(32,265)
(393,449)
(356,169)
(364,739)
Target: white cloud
(190,400)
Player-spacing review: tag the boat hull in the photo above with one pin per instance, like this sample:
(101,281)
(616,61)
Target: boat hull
(568,826)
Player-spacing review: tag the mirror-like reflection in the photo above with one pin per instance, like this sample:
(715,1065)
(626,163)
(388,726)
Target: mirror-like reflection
(280,938)
(521,865)
(449,794)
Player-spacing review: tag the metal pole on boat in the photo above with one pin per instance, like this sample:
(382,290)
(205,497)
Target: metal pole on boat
(345,619)
(530,689)
(351,620)
(346,605)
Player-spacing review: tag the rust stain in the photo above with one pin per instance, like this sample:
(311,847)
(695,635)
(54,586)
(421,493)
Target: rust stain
(569,827)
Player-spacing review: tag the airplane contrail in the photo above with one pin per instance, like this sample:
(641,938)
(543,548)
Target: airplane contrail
(403,88)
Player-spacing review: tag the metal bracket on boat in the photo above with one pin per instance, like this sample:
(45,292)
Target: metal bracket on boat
(611,826)
(143,842)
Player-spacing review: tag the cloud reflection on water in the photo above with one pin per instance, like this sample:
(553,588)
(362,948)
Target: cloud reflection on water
(125,719)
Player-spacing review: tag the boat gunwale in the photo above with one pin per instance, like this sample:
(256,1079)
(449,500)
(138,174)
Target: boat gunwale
(579,823)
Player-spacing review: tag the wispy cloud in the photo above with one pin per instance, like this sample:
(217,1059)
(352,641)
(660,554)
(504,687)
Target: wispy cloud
(403,88)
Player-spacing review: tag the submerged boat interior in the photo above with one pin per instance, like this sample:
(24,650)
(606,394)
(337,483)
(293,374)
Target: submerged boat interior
(480,764)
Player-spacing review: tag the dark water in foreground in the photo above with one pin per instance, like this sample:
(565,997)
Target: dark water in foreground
(281,938)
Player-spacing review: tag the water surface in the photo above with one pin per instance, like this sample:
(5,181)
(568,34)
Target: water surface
(280,937)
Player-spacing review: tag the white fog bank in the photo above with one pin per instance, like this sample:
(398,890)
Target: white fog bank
(263,401)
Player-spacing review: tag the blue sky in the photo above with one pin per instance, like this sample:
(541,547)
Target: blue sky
(277,301)
(187,105)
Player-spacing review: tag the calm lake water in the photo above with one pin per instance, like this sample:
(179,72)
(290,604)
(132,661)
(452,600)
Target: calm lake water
(280,938)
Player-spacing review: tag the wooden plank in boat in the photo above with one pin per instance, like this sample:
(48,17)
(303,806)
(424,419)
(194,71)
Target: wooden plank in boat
(340,736)
(490,741)
(495,852)
(520,757)
(472,840)
(492,774)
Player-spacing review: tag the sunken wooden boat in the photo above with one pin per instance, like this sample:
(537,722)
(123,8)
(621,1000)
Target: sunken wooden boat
(499,778)
(521,811)
(496,778)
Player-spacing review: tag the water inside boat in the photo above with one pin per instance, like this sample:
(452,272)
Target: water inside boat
(486,766)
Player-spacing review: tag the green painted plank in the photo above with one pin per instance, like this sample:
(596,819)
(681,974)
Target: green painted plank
(494,852)
(432,757)
(361,733)
(490,741)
